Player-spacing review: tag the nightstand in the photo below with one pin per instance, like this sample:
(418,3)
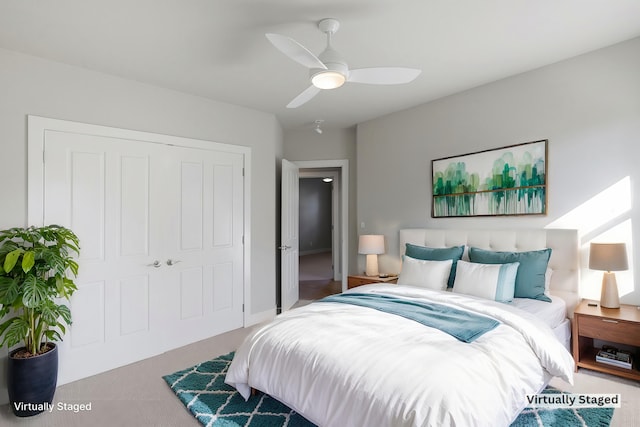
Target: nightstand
(354,281)
(614,325)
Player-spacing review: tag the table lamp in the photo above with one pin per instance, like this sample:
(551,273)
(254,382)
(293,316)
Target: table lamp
(371,245)
(608,257)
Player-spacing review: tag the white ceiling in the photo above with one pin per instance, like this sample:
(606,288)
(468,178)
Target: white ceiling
(217,48)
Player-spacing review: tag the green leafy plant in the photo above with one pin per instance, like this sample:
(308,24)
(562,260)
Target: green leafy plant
(36,265)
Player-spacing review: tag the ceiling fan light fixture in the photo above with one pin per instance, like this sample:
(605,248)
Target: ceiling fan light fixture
(329,70)
(328,79)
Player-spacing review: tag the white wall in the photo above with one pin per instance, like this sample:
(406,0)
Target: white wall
(333,144)
(587,107)
(36,86)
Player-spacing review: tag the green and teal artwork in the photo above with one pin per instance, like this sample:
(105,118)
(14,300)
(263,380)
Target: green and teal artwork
(503,181)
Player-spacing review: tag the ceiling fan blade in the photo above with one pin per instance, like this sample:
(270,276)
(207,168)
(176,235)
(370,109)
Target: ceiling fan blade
(305,96)
(295,51)
(383,75)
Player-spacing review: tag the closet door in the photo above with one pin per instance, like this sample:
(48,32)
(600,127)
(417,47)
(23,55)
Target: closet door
(160,229)
(203,260)
(104,189)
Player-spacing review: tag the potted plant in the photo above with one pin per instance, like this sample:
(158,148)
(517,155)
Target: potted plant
(36,266)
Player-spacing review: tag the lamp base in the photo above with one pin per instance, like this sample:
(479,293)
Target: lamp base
(371,268)
(609,296)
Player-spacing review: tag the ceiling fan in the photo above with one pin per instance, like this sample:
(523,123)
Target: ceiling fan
(330,71)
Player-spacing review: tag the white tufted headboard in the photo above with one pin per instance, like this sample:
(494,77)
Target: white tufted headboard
(563,243)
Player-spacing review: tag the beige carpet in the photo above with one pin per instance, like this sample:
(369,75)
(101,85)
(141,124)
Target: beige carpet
(137,396)
(134,395)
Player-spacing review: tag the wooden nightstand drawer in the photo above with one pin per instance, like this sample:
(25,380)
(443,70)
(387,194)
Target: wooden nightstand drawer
(606,329)
(358,281)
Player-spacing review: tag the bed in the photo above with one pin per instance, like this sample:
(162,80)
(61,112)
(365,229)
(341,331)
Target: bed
(564,263)
(342,364)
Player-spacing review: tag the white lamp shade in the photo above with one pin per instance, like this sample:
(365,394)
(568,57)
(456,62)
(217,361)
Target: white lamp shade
(371,244)
(608,257)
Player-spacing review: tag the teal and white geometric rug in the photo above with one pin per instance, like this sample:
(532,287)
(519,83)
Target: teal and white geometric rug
(202,390)
(590,417)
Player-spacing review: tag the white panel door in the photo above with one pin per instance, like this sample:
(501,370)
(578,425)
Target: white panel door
(204,251)
(289,246)
(161,260)
(102,189)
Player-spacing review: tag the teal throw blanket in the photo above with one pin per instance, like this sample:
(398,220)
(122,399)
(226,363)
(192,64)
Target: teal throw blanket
(460,324)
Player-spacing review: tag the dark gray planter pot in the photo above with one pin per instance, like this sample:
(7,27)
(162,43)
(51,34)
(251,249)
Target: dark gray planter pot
(32,382)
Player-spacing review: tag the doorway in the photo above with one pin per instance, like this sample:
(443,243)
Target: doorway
(323,210)
(317,275)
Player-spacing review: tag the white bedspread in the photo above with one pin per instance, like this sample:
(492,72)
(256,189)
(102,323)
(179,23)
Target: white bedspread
(344,365)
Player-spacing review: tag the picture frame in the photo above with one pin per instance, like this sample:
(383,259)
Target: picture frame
(504,181)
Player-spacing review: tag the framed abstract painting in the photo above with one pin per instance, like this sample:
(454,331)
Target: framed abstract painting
(510,180)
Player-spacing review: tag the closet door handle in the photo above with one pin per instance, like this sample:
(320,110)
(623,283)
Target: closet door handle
(156,264)
(284,247)
(172,261)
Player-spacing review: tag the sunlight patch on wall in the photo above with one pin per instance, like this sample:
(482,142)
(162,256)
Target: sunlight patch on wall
(605,218)
(603,208)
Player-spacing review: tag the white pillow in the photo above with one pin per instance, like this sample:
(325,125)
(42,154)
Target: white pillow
(490,281)
(426,274)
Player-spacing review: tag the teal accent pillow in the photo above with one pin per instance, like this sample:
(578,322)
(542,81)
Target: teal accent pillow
(533,266)
(437,254)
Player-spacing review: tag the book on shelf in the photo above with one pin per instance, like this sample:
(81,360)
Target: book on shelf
(612,356)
